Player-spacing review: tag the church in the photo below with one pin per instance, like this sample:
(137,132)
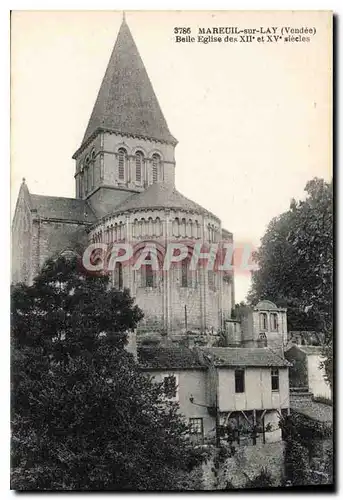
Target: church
(224,371)
(125,192)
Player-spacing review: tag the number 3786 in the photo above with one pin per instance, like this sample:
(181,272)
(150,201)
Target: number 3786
(182,31)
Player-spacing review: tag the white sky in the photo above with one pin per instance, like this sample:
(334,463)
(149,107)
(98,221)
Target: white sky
(253,121)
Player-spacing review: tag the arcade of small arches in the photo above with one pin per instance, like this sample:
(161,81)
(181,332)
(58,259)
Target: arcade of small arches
(138,168)
(141,163)
(153,227)
(269,321)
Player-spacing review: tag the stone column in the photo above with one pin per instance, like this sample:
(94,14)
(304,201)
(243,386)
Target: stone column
(167,318)
(128,240)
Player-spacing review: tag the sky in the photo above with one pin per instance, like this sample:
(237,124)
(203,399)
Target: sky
(253,120)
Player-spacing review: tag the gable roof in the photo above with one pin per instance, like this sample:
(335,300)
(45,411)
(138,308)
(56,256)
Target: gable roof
(126,102)
(57,207)
(161,195)
(246,356)
(168,358)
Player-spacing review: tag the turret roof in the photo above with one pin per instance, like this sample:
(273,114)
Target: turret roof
(161,195)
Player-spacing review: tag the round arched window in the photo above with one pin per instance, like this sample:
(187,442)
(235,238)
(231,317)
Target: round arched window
(156,162)
(139,165)
(122,156)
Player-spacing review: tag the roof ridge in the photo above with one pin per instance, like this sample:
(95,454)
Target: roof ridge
(59,197)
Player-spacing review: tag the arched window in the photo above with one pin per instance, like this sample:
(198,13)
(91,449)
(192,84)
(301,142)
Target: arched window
(274,324)
(92,168)
(122,158)
(263,321)
(156,161)
(139,165)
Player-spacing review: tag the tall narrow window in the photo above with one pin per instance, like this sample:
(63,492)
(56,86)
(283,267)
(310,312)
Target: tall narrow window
(139,166)
(196,430)
(122,155)
(93,167)
(263,321)
(274,325)
(149,276)
(156,160)
(118,276)
(184,273)
(239,380)
(275,379)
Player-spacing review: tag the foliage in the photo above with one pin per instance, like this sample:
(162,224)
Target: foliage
(300,435)
(262,480)
(295,262)
(239,310)
(296,463)
(83,416)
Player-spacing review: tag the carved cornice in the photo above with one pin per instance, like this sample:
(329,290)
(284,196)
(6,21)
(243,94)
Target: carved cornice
(121,134)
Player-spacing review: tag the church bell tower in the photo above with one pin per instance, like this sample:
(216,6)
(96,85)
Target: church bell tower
(127,145)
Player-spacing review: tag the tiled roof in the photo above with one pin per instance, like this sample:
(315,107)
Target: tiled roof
(126,102)
(160,195)
(246,356)
(56,207)
(169,358)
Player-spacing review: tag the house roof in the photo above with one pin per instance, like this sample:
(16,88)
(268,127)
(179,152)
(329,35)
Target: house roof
(161,195)
(57,207)
(246,356)
(265,304)
(168,358)
(126,102)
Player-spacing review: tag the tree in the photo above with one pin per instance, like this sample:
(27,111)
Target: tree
(83,416)
(302,436)
(295,262)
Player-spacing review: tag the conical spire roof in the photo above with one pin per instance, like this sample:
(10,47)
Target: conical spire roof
(126,101)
